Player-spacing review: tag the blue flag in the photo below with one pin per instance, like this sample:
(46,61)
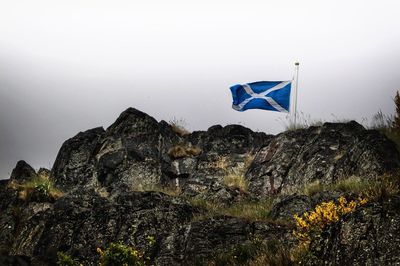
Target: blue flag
(267,95)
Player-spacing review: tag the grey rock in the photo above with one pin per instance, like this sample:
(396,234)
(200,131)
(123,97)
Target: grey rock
(75,162)
(327,153)
(15,261)
(23,172)
(285,208)
(44,172)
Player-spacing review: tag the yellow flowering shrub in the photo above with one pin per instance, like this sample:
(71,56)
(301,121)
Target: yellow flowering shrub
(324,213)
(118,254)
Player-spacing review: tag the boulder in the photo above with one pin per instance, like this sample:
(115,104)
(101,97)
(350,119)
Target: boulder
(23,172)
(75,162)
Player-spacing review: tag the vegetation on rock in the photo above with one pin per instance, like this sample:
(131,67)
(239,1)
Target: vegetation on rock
(66,260)
(178,126)
(249,210)
(118,254)
(39,189)
(323,214)
(182,150)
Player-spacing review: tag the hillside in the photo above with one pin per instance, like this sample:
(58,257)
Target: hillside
(225,196)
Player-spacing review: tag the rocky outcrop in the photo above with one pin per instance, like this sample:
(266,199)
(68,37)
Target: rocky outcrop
(81,222)
(369,236)
(23,172)
(15,261)
(104,174)
(133,154)
(327,154)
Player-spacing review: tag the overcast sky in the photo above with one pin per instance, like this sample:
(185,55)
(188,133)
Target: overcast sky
(67,66)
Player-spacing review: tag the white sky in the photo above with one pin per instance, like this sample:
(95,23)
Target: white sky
(67,66)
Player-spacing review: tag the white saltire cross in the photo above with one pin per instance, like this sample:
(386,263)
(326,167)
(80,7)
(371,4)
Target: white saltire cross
(262,95)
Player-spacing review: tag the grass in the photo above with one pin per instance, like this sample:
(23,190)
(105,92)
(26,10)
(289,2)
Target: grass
(385,124)
(182,150)
(40,189)
(255,252)
(249,210)
(178,126)
(234,176)
(382,187)
(352,184)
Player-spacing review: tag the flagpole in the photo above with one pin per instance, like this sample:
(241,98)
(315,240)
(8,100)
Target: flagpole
(296,80)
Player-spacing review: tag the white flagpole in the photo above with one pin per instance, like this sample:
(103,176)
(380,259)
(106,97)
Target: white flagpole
(296,80)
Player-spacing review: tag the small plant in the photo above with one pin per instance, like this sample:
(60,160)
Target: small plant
(66,260)
(151,240)
(381,121)
(181,151)
(324,214)
(383,188)
(118,254)
(235,178)
(40,189)
(178,126)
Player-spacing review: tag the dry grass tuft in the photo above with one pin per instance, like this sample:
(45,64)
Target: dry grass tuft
(379,188)
(234,175)
(235,178)
(178,126)
(181,151)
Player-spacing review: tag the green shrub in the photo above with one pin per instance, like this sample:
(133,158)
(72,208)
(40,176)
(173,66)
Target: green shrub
(66,260)
(118,254)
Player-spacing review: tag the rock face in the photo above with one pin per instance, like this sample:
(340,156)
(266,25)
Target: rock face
(369,236)
(81,222)
(133,153)
(75,163)
(327,154)
(23,172)
(110,178)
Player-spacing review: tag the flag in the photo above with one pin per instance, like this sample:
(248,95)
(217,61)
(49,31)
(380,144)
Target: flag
(267,95)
